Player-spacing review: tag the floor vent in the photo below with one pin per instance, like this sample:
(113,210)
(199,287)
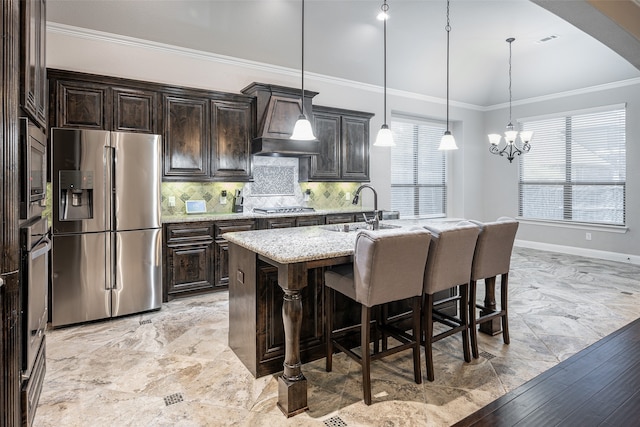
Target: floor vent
(335,422)
(571,316)
(145,322)
(626,293)
(486,355)
(173,398)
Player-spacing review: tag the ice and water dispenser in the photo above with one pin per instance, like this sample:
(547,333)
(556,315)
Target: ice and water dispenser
(76,195)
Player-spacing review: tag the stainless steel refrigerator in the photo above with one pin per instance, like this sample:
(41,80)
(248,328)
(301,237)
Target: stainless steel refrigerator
(107,236)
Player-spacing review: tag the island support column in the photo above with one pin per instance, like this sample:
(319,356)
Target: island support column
(292,385)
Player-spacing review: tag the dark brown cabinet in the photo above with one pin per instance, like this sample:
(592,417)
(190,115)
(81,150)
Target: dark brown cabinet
(135,110)
(206,134)
(278,222)
(231,143)
(33,72)
(222,247)
(79,105)
(97,102)
(339,218)
(189,259)
(186,137)
(303,221)
(344,146)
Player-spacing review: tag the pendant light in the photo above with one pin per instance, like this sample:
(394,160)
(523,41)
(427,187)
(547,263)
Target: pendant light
(511,148)
(302,130)
(448,142)
(385,137)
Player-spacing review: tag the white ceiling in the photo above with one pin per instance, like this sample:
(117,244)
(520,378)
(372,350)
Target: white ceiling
(343,39)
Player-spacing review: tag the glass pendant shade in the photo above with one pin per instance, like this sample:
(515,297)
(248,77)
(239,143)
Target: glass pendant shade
(510,136)
(494,138)
(448,142)
(385,137)
(525,136)
(302,130)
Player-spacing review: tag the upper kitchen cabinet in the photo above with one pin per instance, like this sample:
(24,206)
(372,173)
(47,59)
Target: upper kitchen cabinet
(33,72)
(135,110)
(344,146)
(186,137)
(231,143)
(88,101)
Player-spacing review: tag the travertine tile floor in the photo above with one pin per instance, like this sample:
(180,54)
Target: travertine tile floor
(173,368)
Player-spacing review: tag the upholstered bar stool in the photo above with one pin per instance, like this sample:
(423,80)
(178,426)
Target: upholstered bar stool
(388,265)
(492,258)
(448,266)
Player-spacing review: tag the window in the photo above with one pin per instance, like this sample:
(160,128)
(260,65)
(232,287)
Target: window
(418,168)
(575,170)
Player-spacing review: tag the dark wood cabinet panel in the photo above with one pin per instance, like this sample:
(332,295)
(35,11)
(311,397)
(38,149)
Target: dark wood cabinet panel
(33,72)
(344,146)
(326,165)
(222,247)
(231,140)
(303,221)
(279,222)
(189,269)
(355,148)
(82,105)
(269,326)
(339,218)
(189,259)
(135,110)
(186,136)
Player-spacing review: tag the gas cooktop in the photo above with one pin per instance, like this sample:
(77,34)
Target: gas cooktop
(283,209)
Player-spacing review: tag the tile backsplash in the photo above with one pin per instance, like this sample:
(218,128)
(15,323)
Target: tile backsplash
(275,184)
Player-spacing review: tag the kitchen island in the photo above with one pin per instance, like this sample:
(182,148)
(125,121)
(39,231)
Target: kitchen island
(269,269)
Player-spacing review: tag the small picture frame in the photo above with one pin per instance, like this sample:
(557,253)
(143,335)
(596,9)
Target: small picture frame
(195,206)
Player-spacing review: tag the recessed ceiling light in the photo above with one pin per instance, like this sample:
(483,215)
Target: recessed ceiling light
(547,39)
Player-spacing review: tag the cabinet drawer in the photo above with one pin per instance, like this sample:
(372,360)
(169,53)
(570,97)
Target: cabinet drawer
(339,218)
(222,227)
(303,221)
(189,233)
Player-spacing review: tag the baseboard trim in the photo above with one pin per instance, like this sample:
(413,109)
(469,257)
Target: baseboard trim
(590,253)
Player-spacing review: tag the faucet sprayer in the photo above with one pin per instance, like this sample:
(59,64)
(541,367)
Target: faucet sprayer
(375,223)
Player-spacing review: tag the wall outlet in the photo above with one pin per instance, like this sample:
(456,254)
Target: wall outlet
(588,236)
(172,201)
(347,196)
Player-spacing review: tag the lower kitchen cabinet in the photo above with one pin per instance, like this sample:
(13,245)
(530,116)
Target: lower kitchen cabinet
(189,259)
(222,247)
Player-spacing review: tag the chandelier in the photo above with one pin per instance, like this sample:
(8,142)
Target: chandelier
(511,148)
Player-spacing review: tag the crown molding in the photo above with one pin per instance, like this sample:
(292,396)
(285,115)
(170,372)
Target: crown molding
(95,35)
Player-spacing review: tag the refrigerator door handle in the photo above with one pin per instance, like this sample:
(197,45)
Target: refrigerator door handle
(109,186)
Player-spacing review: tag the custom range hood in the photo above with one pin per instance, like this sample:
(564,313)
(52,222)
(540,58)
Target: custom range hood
(277,110)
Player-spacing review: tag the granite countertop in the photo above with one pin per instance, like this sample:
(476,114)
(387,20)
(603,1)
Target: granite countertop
(253,215)
(289,245)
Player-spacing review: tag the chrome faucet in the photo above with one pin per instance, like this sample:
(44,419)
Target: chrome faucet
(374,222)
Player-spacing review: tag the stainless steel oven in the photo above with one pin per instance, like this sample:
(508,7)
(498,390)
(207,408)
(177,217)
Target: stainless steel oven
(35,247)
(33,169)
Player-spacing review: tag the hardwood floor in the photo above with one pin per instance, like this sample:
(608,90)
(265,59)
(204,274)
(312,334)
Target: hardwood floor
(599,386)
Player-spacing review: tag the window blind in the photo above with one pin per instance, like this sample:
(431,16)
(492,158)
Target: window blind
(576,169)
(418,168)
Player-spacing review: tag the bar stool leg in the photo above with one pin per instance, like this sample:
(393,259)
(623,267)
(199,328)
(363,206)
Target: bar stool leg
(427,321)
(464,317)
(415,306)
(328,329)
(473,326)
(504,286)
(366,355)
